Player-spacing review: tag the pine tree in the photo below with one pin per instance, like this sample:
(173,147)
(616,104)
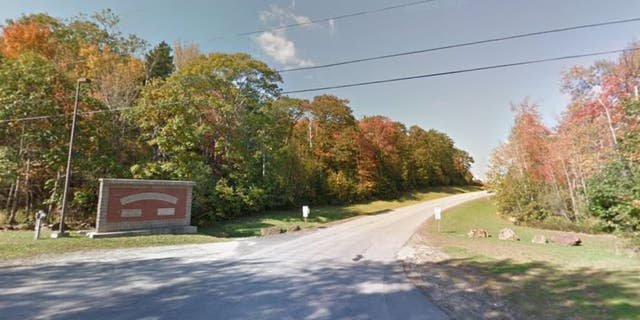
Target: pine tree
(159,61)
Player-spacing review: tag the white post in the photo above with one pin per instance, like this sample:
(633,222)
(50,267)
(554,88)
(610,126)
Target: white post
(305,213)
(39,216)
(438,215)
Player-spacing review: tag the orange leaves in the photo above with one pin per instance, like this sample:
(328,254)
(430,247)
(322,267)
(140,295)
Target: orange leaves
(19,38)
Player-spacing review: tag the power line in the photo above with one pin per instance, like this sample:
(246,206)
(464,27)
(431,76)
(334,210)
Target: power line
(92,112)
(465,44)
(430,75)
(339,17)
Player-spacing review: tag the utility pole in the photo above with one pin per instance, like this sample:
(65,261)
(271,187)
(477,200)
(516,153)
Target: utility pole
(61,232)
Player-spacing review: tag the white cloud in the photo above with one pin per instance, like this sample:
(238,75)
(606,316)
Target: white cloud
(282,17)
(282,50)
(275,42)
(332,26)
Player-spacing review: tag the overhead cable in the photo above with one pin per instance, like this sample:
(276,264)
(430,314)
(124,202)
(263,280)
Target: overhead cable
(464,44)
(438,74)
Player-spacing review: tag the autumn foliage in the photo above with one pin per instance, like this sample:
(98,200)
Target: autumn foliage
(217,119)
(586,170)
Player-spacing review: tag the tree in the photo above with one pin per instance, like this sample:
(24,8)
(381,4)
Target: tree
(159,62)
(380,143)
(206,123)
(185,53)
(520,168)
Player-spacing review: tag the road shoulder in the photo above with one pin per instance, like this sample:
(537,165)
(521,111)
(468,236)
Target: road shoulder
(461,292)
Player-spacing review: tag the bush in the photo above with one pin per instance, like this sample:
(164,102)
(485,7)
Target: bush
(586,225)
(614,197)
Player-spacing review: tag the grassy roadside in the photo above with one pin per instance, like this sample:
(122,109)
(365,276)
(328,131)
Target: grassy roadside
(535,281)
(250,226)
(20,244)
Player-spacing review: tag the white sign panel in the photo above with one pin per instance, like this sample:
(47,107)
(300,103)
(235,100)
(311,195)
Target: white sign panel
(437,212)
(305,211)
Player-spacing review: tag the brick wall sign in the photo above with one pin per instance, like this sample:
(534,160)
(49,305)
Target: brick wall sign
(154,206)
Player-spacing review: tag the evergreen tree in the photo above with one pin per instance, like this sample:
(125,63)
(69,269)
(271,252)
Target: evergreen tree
(159,61)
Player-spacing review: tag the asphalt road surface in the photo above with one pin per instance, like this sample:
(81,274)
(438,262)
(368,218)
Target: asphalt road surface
(346,271)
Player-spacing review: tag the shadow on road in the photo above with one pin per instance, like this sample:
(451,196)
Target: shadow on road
(176,288)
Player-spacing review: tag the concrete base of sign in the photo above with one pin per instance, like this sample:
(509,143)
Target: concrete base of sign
(144,232)
(56,235)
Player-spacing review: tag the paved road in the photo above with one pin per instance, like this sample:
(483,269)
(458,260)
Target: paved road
(347,271)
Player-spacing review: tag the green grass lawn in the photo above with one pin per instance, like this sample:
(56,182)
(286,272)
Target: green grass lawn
(542,281)
(20,244)
(251,226)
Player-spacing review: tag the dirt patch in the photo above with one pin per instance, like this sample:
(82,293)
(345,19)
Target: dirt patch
(462,292)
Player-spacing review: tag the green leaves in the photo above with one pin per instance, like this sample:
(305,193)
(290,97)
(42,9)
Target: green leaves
(614,196)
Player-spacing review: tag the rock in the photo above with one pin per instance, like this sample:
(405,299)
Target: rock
(294,228)
(270,231)
(56,226)
(508,234)
(568,239)
(22,226)
(85,225)
(478,233)
(538,238)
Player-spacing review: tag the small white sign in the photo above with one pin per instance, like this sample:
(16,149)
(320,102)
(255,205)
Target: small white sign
(437,212)
(305,211)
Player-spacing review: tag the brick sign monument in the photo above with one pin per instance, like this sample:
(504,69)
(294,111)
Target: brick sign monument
(130,207)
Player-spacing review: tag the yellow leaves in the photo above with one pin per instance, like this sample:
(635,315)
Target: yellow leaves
(116,78)
(184,53)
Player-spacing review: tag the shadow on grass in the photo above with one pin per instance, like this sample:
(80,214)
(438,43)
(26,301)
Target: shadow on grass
(505,289)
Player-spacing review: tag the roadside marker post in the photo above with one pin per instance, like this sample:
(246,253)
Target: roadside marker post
(39,216)
(438,214)
(305,213)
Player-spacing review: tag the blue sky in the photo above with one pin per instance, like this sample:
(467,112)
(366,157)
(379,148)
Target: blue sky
(472,108)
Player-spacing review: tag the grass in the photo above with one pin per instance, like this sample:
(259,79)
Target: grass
(594,281)
(20,244)
(319,216)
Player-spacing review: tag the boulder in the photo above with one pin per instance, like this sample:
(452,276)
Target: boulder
(23,226)
(270,231)
(56,226)
(538,238)
(478,233)
(293,228)
(508,234)
(568,239)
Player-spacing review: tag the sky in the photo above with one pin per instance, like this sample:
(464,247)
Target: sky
(472,108)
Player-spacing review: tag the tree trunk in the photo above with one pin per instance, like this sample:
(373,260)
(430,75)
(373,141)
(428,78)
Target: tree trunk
(27,204)
(52,197)
(16,198)
(570,187)
(9,197)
